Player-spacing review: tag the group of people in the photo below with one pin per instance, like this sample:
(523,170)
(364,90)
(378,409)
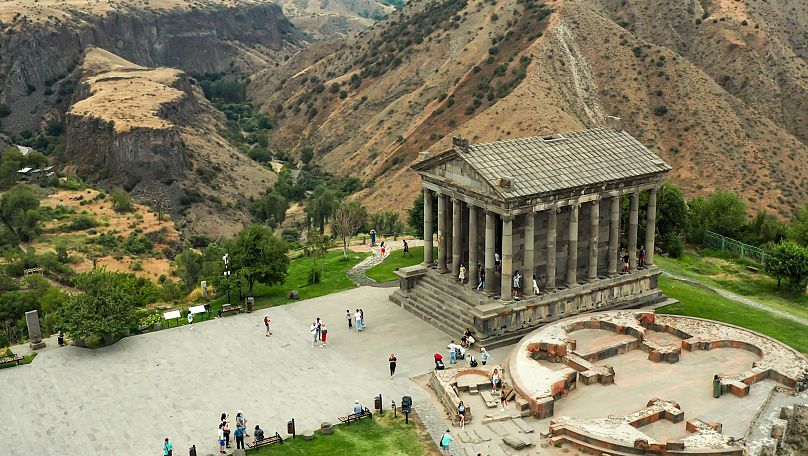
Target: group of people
(358,317)
(624,256)
(516,281)
(239,433)
(319,333)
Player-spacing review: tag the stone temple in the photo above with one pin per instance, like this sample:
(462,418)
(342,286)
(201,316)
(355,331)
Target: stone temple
(546,206)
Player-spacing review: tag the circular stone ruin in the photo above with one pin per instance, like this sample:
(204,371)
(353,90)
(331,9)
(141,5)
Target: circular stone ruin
(639,383)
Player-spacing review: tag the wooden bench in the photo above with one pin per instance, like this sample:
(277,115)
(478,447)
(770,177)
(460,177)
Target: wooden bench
(227,309)
(266,441)
(11,359)
(356,416)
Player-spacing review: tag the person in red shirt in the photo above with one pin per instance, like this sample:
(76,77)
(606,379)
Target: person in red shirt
(266,323)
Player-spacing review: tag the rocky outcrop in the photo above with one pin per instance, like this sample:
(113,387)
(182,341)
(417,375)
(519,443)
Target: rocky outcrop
(41,47)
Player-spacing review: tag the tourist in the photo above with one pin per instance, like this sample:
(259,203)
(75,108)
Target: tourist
(357,408)
(462,275)
(348,314)
(438,361)
(266,323)
(225,423)
(481,285)
(358,319)
(406,248)
(484,355)
(452,352)
(323,333)
(503,402)
(495,380)
(496,261)
(190,318)
(445,441)
(517,280)
(461,414)
(362,317)
(392,359)
(313,330)
(168,448)
(535,286)
(382,249)
(373,238)
(242,421)
(239,436)
(641,256)
(318,326)
(221,439)
(466,337)
(625,261)
(258,435)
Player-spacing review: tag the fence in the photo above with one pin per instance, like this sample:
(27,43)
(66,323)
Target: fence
(735,248)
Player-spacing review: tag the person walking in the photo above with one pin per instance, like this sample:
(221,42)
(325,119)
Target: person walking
(225,423)
(496,261)
(358,319)
(392,359)
(266,323)
(406,248)
(452,352)
(462,275)
(445,442)
(517,278)
(362,317)
(313,331)
(190,318)
(495,380)
(221,438)
(241,421)
(484,355)
(168,447)
(239,436)
(323,333)
(503,402)
(319,328)
(348,314)
(535,286)
(481,285)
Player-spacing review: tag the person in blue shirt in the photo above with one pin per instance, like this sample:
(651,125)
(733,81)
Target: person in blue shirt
(357,408)
(445,441)
(168,447)
(239,436)
(258,434)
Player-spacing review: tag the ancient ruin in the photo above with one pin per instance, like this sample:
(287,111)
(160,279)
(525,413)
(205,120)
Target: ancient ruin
(547,207)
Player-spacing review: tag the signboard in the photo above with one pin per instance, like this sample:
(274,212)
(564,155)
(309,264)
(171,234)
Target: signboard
(197,310)
(171,314)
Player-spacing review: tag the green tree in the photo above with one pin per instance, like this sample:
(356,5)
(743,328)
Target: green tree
(121,200)
(348,218)
(306,155)
(415,215)
(763,229)
(315,245)
(671,218)
(258,255)
(798,226)
(722,212)
(104,308)
(271,208)
(19,212)
(789,260)
(189,268)
(320,206)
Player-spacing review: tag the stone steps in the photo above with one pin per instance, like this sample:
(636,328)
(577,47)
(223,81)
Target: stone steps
(585,447)
(412,306)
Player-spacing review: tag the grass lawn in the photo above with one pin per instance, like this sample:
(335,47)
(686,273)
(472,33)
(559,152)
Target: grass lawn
(26,359)
(381,436)
(385,271)
(333,279)
(734,277)
(698,302)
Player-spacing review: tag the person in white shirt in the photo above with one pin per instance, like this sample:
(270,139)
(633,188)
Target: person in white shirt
(453,349)
(313,331)
(535,286)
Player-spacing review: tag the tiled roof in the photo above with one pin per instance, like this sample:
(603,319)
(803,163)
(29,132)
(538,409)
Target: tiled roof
(546,164)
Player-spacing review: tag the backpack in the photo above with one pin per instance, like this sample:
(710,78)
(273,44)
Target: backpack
(472,362)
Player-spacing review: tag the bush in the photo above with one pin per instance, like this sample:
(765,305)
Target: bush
(82,222)
(136,266)
(661,110)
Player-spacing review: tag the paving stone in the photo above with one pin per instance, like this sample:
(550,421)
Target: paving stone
(511,428)
(523,425)
(497,428)
(463,436)
(485,434)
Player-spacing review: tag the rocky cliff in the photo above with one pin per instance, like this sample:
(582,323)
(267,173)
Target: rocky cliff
(717,88)
(41,43)
(151,131)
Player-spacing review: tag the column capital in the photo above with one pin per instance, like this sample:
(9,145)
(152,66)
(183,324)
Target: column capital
(455,200)
(507,218)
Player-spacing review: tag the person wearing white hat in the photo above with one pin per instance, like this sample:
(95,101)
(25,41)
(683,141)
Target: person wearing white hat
(357,408)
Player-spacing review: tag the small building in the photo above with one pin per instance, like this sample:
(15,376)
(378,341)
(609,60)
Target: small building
(24,150)
(546,207)
(24,173)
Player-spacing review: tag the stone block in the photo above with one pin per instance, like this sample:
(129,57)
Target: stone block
(739,389)
(516,442)
(589,377)
(34,331)
(778,430)
(641,444)
(677,445)
(655,356)
(544,407)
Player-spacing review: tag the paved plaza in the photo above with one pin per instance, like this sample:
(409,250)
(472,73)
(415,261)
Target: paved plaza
(125,399)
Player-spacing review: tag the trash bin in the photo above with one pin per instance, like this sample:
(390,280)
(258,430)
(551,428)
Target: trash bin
(250,303)
(406,404)
(377,402)
(290,427)
(716,387)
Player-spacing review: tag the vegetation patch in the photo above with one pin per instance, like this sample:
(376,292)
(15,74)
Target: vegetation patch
(385,271)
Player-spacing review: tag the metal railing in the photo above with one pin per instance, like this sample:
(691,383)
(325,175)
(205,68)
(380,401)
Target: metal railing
(735,248)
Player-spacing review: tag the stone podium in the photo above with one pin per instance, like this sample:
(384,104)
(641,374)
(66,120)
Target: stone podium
(34,332)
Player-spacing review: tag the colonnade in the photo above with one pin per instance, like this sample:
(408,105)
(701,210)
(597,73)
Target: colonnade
(450,241)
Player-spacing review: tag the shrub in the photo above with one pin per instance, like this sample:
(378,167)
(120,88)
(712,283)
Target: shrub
(661,110)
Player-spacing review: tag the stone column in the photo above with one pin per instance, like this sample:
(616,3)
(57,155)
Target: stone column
(490,243)
(594,231)
(441,233)
(457,226)
(572,247)
(34,331)
(632,230)
(449,220)
(650,227)
(428,228)
(614,235)
(529,265)
(507,257)
(551,248)
(472,266)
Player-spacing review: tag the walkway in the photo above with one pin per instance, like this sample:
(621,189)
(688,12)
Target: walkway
(738,298)
(357,274)
(126,398)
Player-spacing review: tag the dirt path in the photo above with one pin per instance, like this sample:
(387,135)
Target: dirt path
(738,298)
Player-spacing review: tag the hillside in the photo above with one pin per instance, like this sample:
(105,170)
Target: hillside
(717,88)
(152,132)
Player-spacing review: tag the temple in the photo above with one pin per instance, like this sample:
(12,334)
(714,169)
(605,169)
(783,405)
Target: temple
(547,207)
